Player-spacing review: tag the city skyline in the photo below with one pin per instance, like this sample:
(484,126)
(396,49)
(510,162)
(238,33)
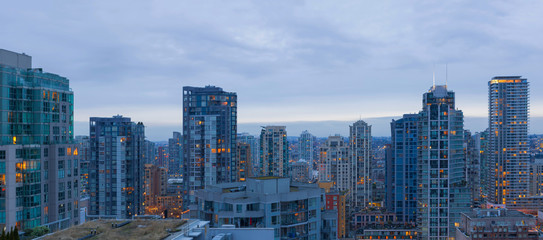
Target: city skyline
(314,63)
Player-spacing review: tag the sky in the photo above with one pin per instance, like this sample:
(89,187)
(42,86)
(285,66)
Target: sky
(316,65)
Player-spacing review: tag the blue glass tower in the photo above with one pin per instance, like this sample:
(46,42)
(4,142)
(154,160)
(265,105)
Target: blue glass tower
(403,169)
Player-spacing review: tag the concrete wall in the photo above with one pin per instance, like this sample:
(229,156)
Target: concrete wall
(14,59)
(241,233)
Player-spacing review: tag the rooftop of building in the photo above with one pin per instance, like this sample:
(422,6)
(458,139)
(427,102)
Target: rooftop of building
(261,187)
(133,229)
(390,227)
(506,77)
(16,60)
(266,178)
(495,213)
(538,160)
(439,90)
(206,90)
(329,214)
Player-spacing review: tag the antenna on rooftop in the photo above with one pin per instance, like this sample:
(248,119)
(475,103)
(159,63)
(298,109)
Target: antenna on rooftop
(434,77)
(446,74)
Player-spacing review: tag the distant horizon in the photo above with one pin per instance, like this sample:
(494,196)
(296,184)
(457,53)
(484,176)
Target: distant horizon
(380,127)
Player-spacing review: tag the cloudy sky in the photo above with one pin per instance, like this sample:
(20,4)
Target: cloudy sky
(316,65)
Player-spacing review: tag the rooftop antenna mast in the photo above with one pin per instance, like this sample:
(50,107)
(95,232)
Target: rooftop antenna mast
(434,77)
(446,74)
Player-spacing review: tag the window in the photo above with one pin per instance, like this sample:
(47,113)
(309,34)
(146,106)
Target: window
(274,207)
(239,208)
(2,154)
(61,152)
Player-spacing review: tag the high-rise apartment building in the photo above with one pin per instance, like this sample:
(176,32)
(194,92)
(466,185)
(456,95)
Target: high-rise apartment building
(536,176)
(442,192)
(300,171)
(274,151)
(162,159)
(244,165)
(305,147)
(254,146)
(209,138)
(481,152)
(175,150)
(83,148)
(402,169)
(473,170)
(337,167)
(39,164)
(361,154)
(508,156)
(156,185)
(149,152)
(116,168)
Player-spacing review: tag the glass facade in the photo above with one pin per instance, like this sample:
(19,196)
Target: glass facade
(443,191)
(39,175)
(36,107)
(305,143)
(403,174)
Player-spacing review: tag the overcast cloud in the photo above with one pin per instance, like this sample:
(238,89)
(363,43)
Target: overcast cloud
(315,62)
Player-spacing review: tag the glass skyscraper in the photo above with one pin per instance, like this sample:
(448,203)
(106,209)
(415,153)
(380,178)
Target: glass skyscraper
(508,155)
(403,169)
(209,138)
(443,191)
(305,143)
(39,164)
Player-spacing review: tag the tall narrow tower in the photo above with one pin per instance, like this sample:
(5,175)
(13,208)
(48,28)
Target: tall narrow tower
(402,173)
(336,165)
(360,145)
(508,157)
(305,142)
(442,192)
(274,151)
(209,138)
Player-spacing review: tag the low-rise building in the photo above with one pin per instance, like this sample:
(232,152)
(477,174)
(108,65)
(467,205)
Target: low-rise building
(329,225)
(387,232)
(373,217)
(496,224)
(292,210)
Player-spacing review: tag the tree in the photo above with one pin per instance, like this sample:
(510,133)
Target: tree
(15,234)
(8,234)
(39,231)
